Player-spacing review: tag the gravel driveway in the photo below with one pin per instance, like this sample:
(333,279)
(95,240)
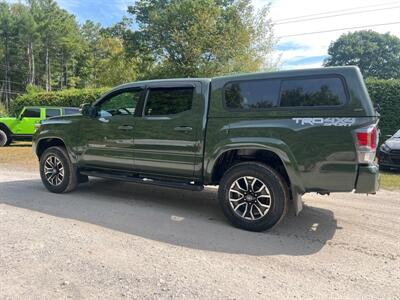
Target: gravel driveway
(115,240)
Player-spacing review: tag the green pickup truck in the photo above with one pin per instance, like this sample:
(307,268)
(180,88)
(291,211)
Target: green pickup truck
(23,126)
(265,138)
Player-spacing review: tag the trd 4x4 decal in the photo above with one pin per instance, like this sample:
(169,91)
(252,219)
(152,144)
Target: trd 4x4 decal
(325,121)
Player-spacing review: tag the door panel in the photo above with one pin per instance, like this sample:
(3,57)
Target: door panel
(108,145)
(166,140)
(108,137)
(28,119)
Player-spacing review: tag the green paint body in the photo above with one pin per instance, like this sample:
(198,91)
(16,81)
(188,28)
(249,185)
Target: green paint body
(24,127)
(317,158)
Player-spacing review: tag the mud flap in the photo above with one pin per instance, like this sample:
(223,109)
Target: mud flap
(297,203)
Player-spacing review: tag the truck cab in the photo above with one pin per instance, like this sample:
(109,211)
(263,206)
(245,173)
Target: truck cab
(265,139)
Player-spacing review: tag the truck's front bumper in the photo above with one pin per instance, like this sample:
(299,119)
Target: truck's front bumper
(368,179)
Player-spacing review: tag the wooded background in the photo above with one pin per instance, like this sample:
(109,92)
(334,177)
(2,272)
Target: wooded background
(43,47)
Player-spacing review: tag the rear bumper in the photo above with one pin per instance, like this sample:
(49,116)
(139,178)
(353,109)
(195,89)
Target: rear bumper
(368,179)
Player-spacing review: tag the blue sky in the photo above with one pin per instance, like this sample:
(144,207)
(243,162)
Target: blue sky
(106,12)
(300,51)
(310,50)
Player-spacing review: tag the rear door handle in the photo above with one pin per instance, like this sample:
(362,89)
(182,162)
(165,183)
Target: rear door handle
(183,128)
(125,127)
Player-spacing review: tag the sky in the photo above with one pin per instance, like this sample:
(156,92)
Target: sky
(307,51)
(301,51)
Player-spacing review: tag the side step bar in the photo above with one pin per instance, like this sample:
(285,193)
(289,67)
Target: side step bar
(169,184)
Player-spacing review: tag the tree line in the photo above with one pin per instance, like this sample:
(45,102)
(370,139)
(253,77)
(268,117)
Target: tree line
(43,47)
(376,54)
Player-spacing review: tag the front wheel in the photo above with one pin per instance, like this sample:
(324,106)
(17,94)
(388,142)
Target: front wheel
(56,170)
(253,196)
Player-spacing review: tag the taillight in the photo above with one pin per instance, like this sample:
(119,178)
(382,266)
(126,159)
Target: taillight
(373,138)
(362,138)
(366,141)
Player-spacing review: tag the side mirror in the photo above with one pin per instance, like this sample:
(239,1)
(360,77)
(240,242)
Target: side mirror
(88,110)
(388,136)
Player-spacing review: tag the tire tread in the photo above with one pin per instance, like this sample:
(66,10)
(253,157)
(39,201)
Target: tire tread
(263,169)
(73,177)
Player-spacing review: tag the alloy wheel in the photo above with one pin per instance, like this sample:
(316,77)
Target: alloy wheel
(54,170)
(250,198)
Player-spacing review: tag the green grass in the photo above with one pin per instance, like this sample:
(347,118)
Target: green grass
(390,180)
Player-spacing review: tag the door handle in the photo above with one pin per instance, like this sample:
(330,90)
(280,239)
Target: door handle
(125,127)
(183,128)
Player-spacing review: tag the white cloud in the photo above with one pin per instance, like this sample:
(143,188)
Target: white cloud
(123,4)
(316,45)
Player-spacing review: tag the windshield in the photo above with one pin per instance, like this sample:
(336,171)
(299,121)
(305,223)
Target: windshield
(397,135)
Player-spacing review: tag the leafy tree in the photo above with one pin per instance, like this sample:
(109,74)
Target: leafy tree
(42,46)
(113,66)
(24,35)
(377,55)
(7,36)
(88,62)
(204,37)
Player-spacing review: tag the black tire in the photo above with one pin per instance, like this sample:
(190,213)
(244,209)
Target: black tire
(69,179)
(9,141)
(4,138)
(258,217)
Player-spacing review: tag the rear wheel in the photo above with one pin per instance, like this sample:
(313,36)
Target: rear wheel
(253,196)
(5,140)
(56,170)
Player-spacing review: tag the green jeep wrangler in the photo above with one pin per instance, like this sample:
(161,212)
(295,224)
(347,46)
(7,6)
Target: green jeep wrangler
(264,138)
(23,126)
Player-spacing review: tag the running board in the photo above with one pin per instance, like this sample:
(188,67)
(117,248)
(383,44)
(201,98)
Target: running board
(192,186)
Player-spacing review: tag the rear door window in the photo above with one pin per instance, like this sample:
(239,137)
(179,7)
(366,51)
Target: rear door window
(328,91)
(168,101)
(71,111)
(52,112)
(255,94)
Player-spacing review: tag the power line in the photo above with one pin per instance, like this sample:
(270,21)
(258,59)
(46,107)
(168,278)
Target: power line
(337,29)
(336,15)
(336,11)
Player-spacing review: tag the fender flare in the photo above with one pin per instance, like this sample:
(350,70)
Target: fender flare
(275,146)
(5,128)
(36,144)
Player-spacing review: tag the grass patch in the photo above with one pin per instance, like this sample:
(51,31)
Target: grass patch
(390,180)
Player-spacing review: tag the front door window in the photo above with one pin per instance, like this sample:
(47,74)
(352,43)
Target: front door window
(31,113)
(121,104)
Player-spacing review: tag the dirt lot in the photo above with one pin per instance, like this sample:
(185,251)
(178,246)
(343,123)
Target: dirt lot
(115,240)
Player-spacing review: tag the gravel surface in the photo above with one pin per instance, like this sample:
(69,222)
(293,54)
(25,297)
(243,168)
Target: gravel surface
(120,240)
